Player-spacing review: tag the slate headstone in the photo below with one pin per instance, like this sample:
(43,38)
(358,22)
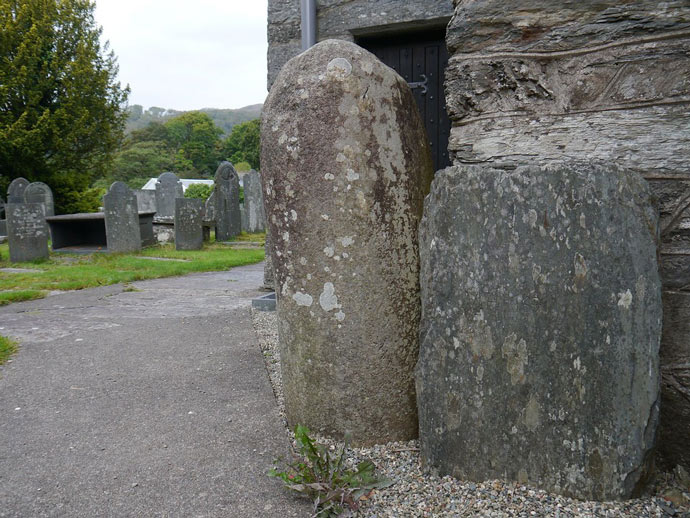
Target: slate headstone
(15,191)
(227,202)
(146,200)
(27,232)
(253,203)
(122,230)
(168,188)
(541,322)
(188,224)
(39,192)
(346,165)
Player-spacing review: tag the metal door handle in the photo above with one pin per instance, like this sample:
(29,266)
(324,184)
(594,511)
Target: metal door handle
(420,84)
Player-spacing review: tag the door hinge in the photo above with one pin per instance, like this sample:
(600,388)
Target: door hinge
(420,84)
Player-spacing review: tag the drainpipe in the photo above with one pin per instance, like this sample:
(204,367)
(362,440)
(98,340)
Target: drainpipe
(308,24)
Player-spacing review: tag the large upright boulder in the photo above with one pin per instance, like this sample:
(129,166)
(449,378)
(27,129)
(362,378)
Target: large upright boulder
(541,322)
(547,81)
(345,167)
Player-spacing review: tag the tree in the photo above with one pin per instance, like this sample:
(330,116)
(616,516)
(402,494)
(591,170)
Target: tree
(243,144)
(62,112)
(196,140)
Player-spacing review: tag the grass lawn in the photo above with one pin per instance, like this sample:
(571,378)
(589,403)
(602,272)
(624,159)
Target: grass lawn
(7,348)
(76,272)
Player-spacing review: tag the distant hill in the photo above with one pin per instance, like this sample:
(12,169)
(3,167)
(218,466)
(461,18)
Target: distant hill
(224,118)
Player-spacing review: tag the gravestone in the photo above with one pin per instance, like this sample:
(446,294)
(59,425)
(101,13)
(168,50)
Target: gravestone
(227,202)
(168,188)
(15,191)
(345,166)
(188,223)
(253,203)
(122,230)
(27,232)
(38,192)
(541,322)
(146,200)
(209,215)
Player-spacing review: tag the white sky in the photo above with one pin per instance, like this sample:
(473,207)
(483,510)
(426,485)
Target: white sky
(188,54)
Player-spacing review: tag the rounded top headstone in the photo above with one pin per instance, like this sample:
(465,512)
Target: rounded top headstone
(225,171)
(15,192)
(168,178)
(120,188)
(37,188)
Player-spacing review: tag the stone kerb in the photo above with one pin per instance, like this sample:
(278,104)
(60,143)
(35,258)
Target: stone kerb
(189,224)
(39,192)
(541,322)
(27,232)
(168,188)
(227,202)
(15,191)
(122,230)
(255,220)
(345,167)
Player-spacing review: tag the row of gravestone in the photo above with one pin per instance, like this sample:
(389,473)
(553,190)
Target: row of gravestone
(511,319)
(222,209)
(21,191)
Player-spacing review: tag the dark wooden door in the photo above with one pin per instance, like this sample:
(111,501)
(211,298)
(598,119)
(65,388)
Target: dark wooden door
(421,60)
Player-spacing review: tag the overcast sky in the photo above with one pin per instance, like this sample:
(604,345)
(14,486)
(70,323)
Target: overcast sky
(187,55)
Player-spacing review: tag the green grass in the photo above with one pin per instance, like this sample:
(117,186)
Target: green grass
(7,348)
(76,272)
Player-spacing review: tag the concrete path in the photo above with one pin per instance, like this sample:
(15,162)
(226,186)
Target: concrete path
(141,403)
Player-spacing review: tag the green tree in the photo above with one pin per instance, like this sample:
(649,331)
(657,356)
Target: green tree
(198,190)
(196,141)
(243,144)
(62,112)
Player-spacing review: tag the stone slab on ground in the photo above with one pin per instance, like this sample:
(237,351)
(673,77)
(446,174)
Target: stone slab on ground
(145,403)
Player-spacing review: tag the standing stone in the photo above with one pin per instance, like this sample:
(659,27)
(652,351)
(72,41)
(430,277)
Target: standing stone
(27,232)
(168,188)
(121,219)
(38,192)
(604,80)
(253,203)
(227,202)
(15,191)
(188,223)
(541,321)
(345,166)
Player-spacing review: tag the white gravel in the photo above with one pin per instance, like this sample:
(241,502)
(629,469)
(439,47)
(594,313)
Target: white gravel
(419,493)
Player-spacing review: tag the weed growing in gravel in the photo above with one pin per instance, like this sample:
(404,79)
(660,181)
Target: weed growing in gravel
(321,476)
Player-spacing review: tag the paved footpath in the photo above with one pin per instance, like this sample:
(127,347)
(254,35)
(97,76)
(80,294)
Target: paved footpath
(141,403)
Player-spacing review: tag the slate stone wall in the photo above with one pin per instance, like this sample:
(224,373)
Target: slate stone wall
(344,20)
(547,81)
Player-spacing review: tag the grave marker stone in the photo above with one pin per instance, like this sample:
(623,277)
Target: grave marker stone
(253,203)
(346,165)
(227,202)
(146,200)
(168,188)
(541,322)
(39,192)
(15,191)
(122,230)
(27,232)
(189,224)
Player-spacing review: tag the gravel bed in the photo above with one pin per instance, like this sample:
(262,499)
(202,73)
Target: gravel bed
(419,493)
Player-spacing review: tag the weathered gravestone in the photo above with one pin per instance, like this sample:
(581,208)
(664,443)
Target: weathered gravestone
(345,166)
(541,321)
(27,232)
(121,219)
(168,188)
(189,223)
(253,203)
(146,200)
(227,202)
(15,191)
(38,192)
